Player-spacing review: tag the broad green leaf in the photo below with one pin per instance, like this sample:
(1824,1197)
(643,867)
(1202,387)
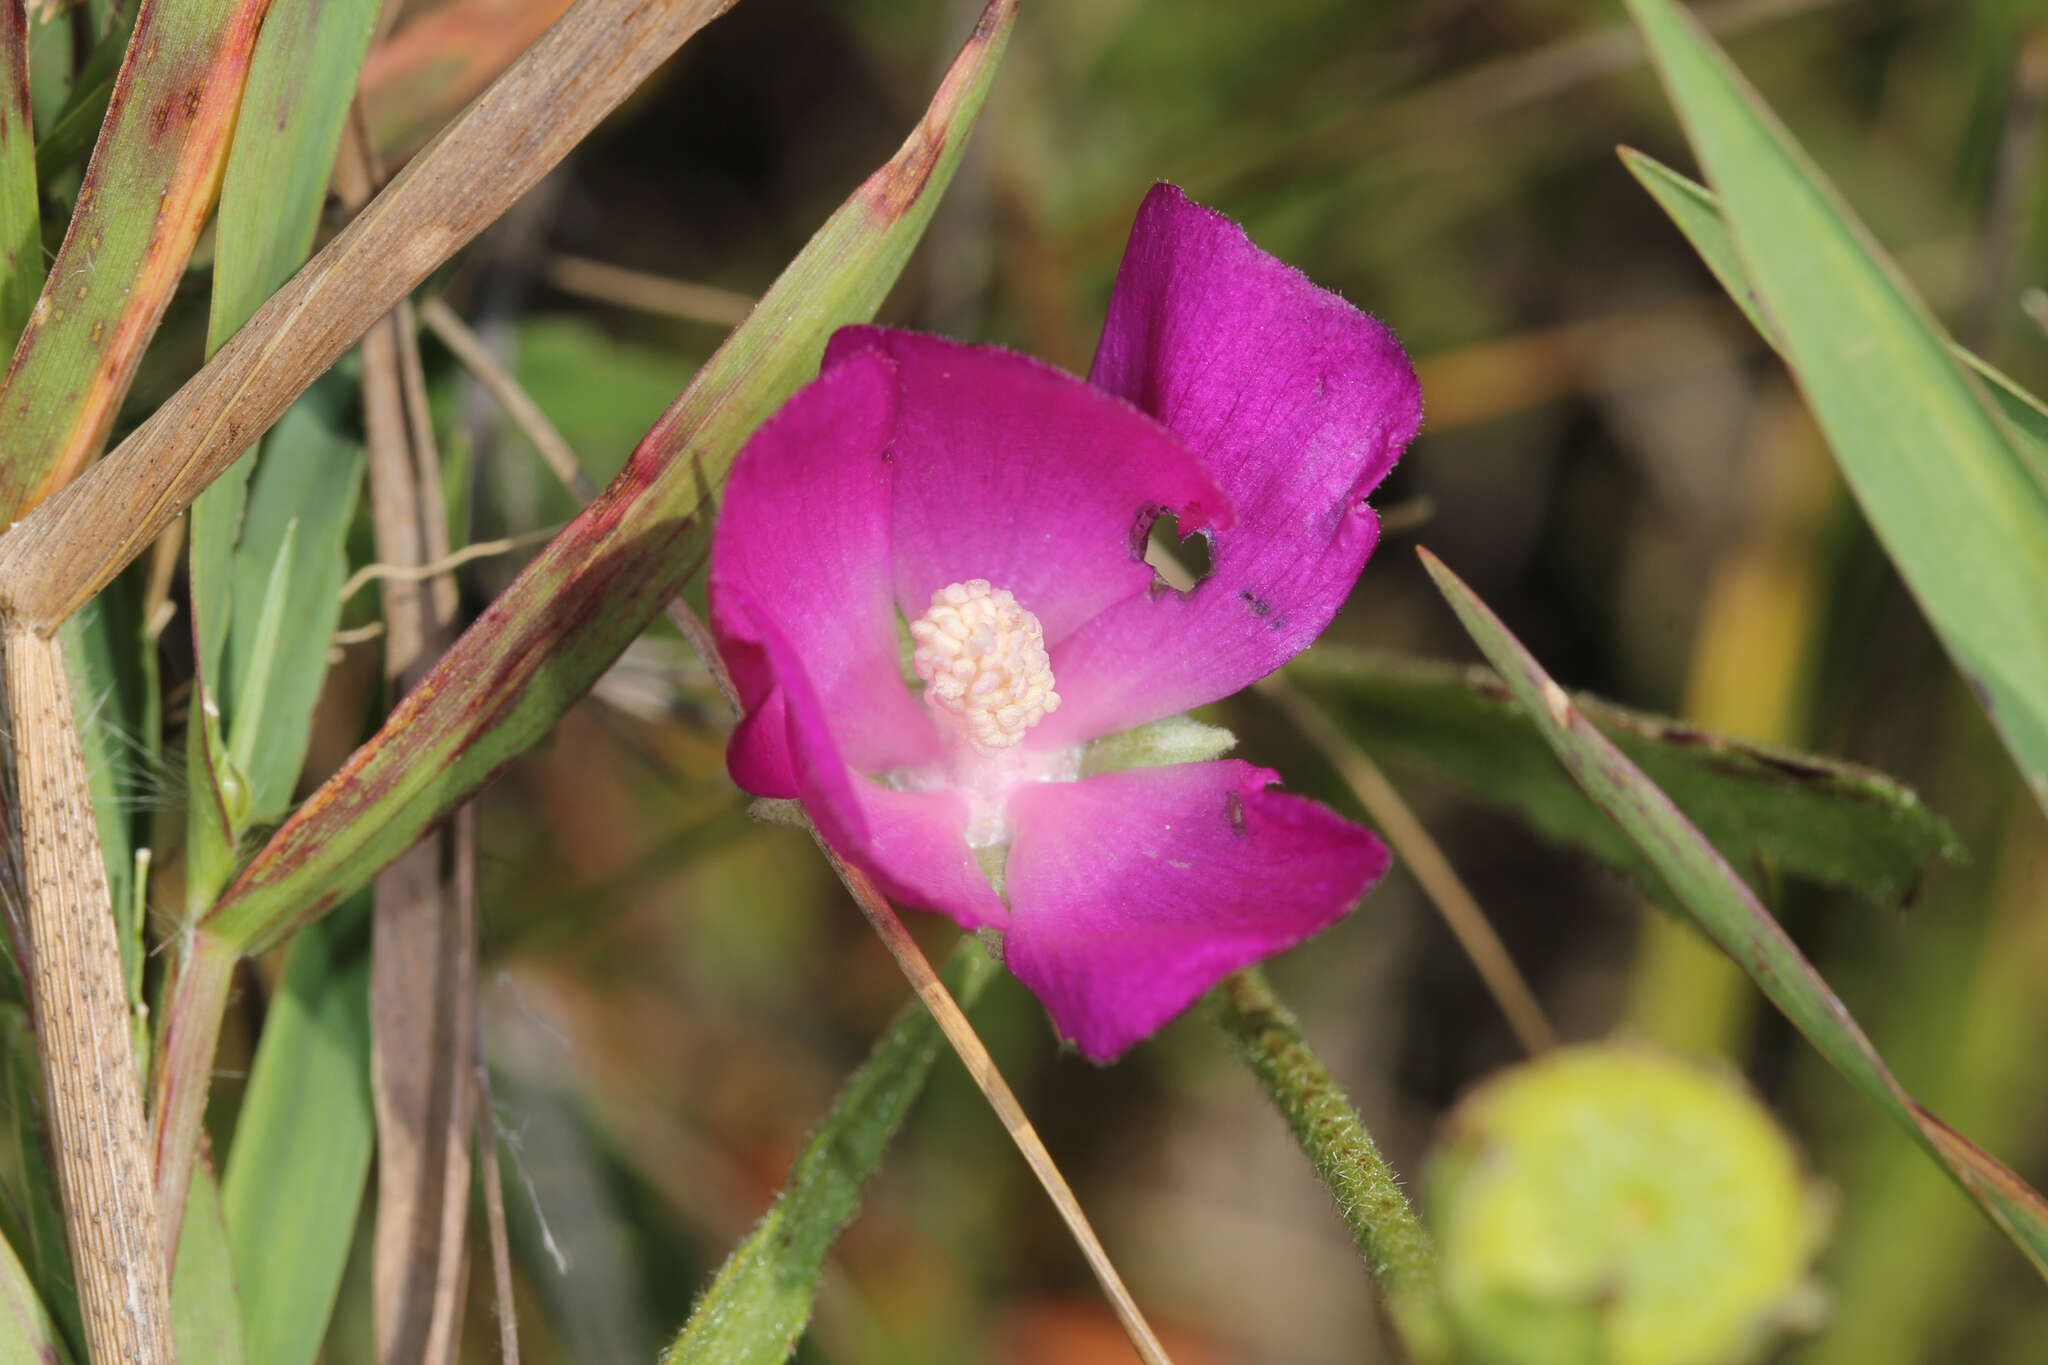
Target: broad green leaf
(34,1222)
(1695,213)
(28,1335)
(301,1156)
(1919,441)
(1724,907)
(206,1319)
(596,586)
(21,230)
(754,1310)
(310,477)
(145,196)
(1826,821)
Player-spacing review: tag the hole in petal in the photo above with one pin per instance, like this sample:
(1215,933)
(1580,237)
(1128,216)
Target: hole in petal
(1177,562)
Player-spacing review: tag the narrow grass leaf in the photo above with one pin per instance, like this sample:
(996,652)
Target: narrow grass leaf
(1761,806)
(56,558)
(206,1318)
(301,1158)
(301,80)
(311,477)
(51,61)
(597,585)
(252,683)
(755,1308)
(28,1335)
(146,194)
(21,231)
(1919,441)
(1695,212)
(38,1233)
(70,107)
(1729,913)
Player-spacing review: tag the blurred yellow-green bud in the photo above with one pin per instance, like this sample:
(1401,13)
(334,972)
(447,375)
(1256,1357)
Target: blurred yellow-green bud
(1615,1205)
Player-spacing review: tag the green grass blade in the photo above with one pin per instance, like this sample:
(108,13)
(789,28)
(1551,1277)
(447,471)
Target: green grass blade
(295,1176)
(70,109)
(252,681)
(596,586)
(1696,213)
(1829,822)
(301,78)
(296,101)
(21,231)
(755,1308)
(1919,442)
(1729,913)
(206,1319)
(311,476)
(39,1234)
(28,1335)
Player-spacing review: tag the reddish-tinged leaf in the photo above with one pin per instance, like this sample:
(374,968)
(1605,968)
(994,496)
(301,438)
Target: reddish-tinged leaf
(21,237)
(146,193)
(1724,907)
(56,558)
(566,618)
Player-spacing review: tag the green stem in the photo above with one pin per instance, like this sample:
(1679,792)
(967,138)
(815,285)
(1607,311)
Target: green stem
(1368,1194)
(194,1004)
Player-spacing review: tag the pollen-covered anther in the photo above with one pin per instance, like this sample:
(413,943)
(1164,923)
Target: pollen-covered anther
(983,661)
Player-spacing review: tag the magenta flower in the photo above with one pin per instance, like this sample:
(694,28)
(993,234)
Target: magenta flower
(1000,508)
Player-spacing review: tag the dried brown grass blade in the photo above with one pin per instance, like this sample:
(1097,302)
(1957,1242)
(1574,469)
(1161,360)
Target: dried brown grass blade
(511,136)
(423,937)
(81,1017)
(476,357)
(982,1068)
(493,1181)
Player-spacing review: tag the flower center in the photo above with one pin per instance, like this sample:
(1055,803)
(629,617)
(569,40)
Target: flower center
(983,661)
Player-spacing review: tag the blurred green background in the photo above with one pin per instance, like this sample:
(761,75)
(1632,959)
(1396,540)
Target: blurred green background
(1611,458)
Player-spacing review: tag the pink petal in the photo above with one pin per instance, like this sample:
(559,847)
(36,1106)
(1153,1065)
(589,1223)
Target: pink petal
(1010,470)
(1133,892)
(1297,404)
(803,533)
(911,843)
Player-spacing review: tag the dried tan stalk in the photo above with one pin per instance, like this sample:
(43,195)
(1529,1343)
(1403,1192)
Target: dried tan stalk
(644,293)
(1427,863)
(423,955)
(81,1019)
(476,357)
(982,1068)
(74,544)
(493,1181)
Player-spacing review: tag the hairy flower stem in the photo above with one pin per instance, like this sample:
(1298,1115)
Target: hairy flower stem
(1393,1241)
